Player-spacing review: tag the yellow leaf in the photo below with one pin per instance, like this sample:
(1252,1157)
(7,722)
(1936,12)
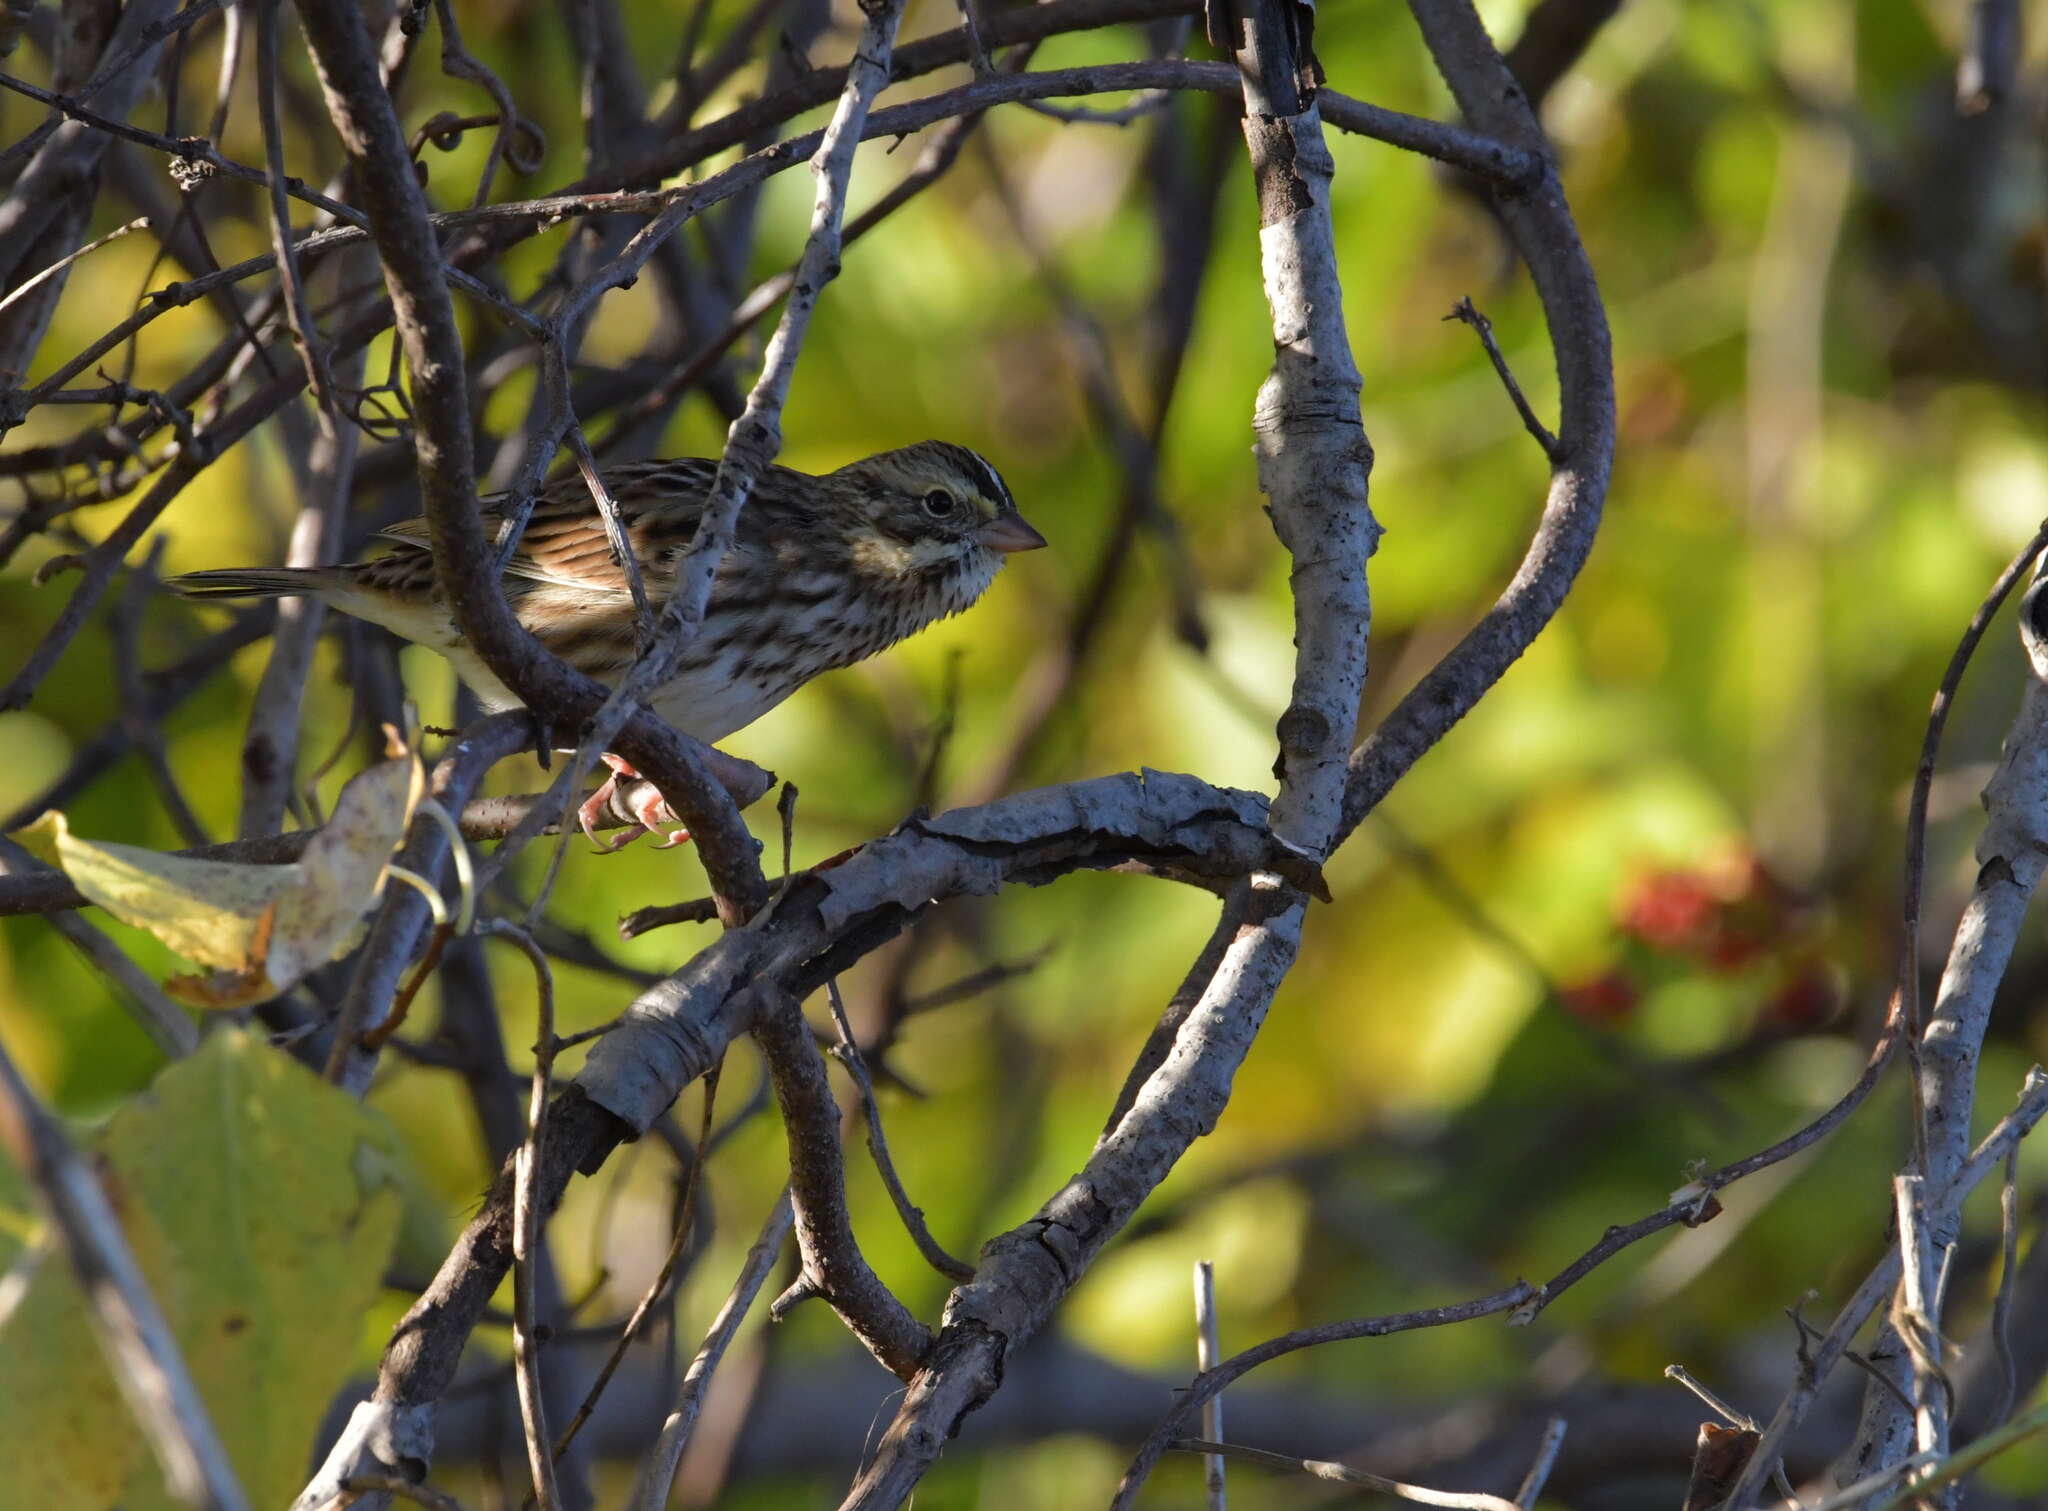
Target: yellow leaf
(261,928)
(206,910)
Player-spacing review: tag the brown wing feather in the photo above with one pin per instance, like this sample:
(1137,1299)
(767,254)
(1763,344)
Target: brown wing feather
(564,542)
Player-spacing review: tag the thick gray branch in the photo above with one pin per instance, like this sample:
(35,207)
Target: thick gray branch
(1314,459)
(1024,1274)
(2012,854)
(678,1029)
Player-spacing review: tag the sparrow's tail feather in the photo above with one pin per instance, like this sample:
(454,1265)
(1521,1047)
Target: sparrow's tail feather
(253,582)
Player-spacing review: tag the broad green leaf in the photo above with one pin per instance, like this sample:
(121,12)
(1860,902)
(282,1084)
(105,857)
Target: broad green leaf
(262,1204)
(261,928)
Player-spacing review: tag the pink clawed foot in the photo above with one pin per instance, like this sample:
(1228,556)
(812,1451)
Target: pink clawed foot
(645,806)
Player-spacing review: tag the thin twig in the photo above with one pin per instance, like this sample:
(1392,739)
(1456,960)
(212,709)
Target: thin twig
(1539,1468)
(517,140)
(615,535)
(658,1470)
(292,282)
(1468,312)
(1148,102)
(660,916)
(974,983)
(686,1227)
(1490,159)
(1207,1384)
(847,1052)
(398,1485)
(2001,1303)
(1344,1474)
(1930,754)
(941,151)
(1732,1415)
(1727,1413)
(1697,1203)
(1207,1353)
(271,743)
(526,1225)
(35,280)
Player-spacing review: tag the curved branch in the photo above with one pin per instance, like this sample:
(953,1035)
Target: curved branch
(833,1266)
(679,1028)
(1313,461)
(1025,1273)
(415,274)
(1539,224)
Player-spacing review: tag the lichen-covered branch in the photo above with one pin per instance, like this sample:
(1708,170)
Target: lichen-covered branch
(678,1029)
(1314,459)
(2012,855)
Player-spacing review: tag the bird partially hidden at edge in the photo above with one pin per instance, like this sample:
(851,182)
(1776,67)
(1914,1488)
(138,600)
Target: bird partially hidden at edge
(824,572)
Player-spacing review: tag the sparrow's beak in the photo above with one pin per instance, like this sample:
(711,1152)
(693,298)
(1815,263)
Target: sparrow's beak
(1007,533)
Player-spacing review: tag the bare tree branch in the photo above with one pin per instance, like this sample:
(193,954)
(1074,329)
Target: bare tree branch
(1817,1362)
(848,1052)
(526,1231)
(271,745)
(47,208)
(833,1266)
(415,275)
(1207,1385)
(1344,1474)
(1314,459)
(1539,224)
(677,1030)
(658,1469)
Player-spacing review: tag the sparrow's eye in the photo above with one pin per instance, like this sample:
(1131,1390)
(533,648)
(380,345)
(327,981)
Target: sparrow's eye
(939,503)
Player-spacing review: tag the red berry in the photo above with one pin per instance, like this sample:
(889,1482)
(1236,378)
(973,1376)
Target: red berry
(1607,998)
(1806,1000)
(1669,910)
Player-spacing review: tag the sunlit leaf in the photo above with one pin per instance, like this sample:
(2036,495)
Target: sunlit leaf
(260,928)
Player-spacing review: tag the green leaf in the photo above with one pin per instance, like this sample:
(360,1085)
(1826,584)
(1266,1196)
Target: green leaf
(262,1205)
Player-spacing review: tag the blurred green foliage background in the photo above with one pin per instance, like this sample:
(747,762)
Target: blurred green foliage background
(1638,910)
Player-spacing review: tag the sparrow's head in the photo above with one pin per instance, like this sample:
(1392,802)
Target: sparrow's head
(930,506)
